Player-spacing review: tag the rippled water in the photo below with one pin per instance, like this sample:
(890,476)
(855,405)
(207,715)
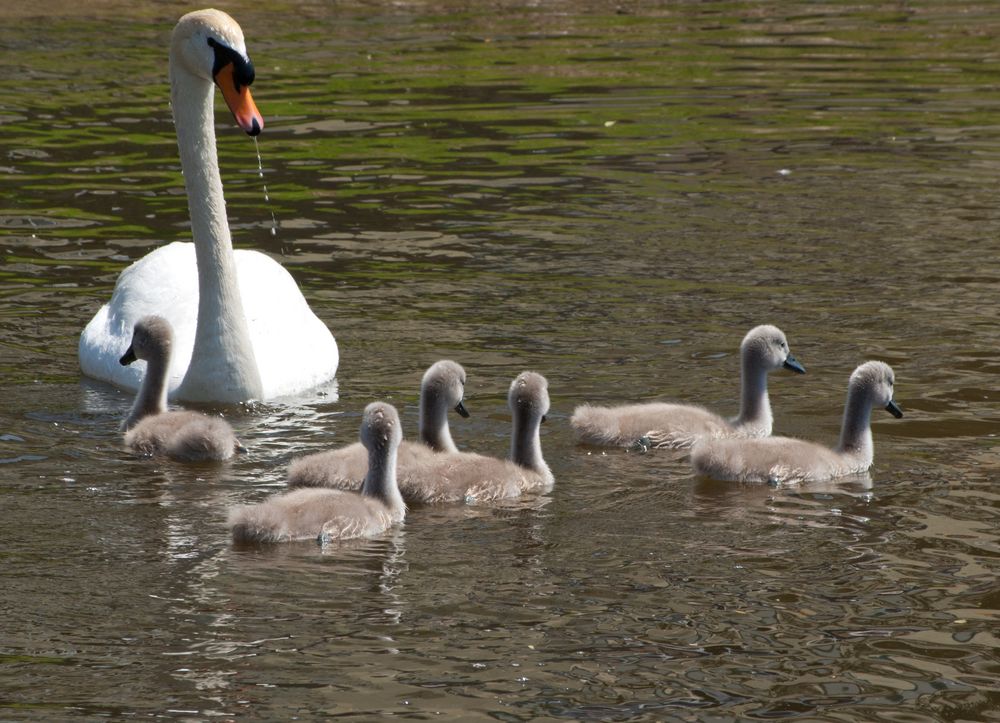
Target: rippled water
(610,194)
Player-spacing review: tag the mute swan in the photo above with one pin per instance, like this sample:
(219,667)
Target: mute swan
(433,478)
(442,388)
(782,460)
(308,513)
(150,429)
(763,350)
(242,328)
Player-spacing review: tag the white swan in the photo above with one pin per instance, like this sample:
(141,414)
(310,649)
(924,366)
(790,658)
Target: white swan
(783,460)
(309,513)
(242,328)
(663,424)
(149,428)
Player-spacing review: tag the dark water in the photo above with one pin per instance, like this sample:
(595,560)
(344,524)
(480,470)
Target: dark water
(610,194)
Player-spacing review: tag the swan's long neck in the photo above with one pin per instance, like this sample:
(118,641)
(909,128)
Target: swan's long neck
(755,407)
(223,366)
(152,396)
(526,443)
(856,431)
(380,481)
(434,431)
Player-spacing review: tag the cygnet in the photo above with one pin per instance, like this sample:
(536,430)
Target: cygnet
(151,430)
(678,426)
(328,514)
(782,460)
(442,388)
(462,476)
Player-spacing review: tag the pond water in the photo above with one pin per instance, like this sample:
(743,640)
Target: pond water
(610,194)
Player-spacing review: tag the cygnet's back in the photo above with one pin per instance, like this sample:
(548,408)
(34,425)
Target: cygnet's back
(662,424)
(442,388)
(184,436)
(783,460)
(150,430)
(458,476)
(329,514)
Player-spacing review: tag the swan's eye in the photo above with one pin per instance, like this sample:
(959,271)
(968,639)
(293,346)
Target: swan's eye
(243,72)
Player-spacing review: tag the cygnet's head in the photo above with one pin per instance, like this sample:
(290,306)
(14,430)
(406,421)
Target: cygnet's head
(209,45)
(875,380)
(766,347)
(445,380)
(380,428)
(152,338)
(528,397)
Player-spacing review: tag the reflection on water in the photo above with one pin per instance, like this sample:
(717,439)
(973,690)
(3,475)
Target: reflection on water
(609,195)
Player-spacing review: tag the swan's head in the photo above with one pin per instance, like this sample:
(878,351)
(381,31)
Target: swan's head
(151,339)
(380,427)
(765,347)
(528,397)
(445,380)
(209,44)
(875,380)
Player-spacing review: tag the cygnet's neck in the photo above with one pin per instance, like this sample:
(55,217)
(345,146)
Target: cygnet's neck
(526,443)
(152,396)
(223,366)
(755,407)
(380,481)
(434,430)
(856,431)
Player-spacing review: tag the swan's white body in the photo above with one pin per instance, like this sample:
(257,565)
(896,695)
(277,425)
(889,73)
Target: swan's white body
(242,328)
(293,350)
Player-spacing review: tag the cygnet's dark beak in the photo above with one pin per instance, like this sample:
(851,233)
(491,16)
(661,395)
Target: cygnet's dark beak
(894,409)
(793,364)
(128,357)
(462,411)
(545,418)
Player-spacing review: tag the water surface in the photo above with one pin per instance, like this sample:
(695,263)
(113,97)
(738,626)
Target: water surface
(611,195)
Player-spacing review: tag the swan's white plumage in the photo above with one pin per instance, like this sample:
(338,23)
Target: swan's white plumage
(294,349)
(256,336)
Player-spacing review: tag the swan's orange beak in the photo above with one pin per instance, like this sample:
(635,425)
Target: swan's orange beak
(239,100)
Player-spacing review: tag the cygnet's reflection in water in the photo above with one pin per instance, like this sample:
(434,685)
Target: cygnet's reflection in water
(813,504)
